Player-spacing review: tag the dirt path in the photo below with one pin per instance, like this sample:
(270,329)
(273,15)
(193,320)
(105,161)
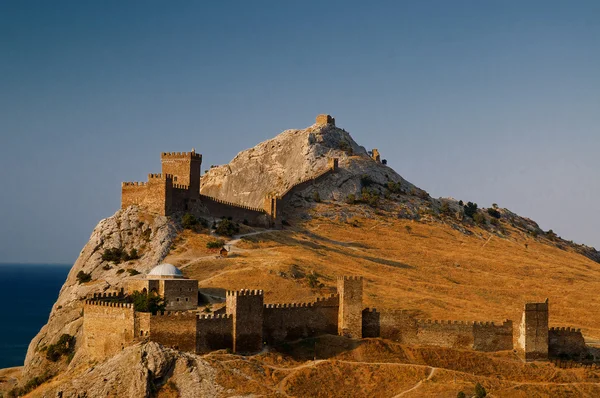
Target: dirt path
(431,373)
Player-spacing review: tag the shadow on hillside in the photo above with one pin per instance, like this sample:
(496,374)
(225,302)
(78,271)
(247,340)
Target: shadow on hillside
(321,347)
(289,240)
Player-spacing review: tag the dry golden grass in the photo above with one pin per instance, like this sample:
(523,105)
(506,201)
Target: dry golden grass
(434,269)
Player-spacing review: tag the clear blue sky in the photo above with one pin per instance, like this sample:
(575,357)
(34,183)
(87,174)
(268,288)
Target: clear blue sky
(488,101)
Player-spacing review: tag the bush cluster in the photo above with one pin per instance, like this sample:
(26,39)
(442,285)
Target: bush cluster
(227,227)
(147,302)
(215,244)
(494,213)
(31,385)
(470,209)
(118,255)
(188,221)
(394,187)
(370,197)
(64,346)
(83,277)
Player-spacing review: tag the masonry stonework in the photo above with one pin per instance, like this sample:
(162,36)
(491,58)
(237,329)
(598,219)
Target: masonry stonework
(247,323)
(533,332)
(350,289)
(246,309)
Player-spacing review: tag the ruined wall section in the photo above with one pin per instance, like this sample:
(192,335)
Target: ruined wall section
(487,336)
(246,308)
(396,325)
(285,322)
(219,208)
(566,342)
(214,332)
(174,329)
(108,327)
(533,332)
(350,289)
(453,334)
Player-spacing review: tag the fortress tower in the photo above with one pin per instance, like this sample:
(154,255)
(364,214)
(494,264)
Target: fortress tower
(324,119)
(185,167)
(246,308)
(533,332)
(350,289)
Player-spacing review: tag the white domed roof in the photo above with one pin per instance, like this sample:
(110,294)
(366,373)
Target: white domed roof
(166,270)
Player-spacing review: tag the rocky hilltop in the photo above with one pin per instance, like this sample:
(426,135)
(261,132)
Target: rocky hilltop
(275,165)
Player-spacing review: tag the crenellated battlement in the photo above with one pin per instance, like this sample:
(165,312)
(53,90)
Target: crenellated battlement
(107,295)
(177,314)
(210,317)
(564,330)
(450,322)
(245,292)
(108,304)
(134,184)
(181,186)
(349,278)
(224,202)
(161,176)
(181,155)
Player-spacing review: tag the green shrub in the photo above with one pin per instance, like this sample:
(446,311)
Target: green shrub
(118,255)
(120,271)
(227,228)
(479,218)
(147,302)
(82,277)
(394,187)
(470,209)
(370,197)
(188,221)
(64,346)
(351,199)
(215,244)
(480,391)
(461,395)
(313,280)
(344,146)
(494,213)
(133,271)
(445,208)
(408,228)
(31,385)
(366,181)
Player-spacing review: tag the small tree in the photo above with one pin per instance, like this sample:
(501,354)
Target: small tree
(147,302)
(83,277)
(188,221)
(494,213)
(227,228)
(470,209)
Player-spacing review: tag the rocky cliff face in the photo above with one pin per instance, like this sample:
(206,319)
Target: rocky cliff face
(126,230)
(277,164)
(137,371)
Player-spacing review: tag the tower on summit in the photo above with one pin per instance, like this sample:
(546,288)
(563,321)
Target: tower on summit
(325,119)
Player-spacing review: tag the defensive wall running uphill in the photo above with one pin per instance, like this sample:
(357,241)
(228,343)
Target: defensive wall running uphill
(247,323)
(177,189)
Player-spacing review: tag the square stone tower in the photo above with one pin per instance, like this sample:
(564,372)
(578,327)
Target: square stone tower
(246,308)
(185,166)
(350,289)
(533,332)
(324,119)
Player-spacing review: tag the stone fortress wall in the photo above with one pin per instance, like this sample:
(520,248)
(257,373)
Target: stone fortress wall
(248,323)
(177,189)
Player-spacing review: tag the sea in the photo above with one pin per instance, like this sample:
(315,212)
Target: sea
(27,293)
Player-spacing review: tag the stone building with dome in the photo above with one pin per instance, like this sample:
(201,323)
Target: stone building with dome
(179,292)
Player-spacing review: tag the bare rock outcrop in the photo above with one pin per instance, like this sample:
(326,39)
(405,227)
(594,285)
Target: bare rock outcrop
(275,165)
(137,371)
(127,229)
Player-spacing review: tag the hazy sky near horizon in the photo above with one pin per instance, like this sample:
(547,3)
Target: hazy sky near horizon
(492,102)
